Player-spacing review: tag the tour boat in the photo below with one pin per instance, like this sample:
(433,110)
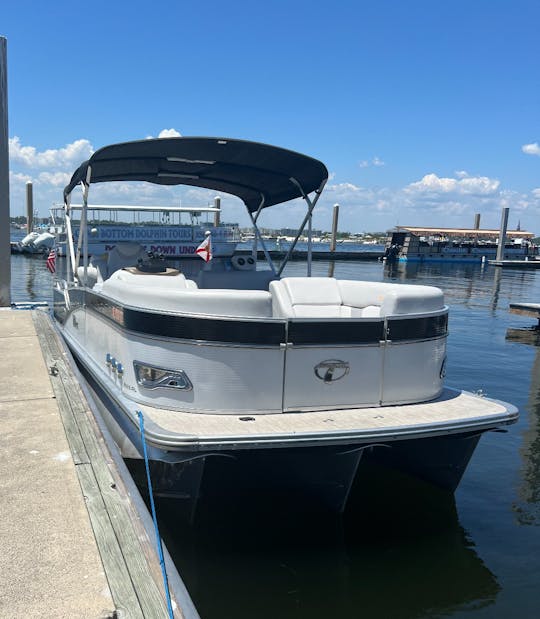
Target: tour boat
(456,245)
(174,232)
(293,379)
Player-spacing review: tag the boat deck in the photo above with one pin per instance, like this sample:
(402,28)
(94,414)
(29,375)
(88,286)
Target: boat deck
(452,412)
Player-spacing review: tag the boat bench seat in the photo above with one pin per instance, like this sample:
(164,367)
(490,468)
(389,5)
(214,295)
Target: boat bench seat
(325,297)
(175,293)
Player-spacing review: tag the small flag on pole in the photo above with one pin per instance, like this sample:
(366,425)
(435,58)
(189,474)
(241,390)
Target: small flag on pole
(51,261)
(204,250)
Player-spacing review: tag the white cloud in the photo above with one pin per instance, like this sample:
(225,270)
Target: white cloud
(70,155)
(169,133)
(166,133)
(531,149)
(19,177)
(56,179)
(468,185)
(375,161)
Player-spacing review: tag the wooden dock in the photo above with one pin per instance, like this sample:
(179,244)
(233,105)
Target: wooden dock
(75,536)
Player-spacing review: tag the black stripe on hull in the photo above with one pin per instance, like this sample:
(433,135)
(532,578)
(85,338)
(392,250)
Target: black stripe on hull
(324,333)
(426,327)
(256,332)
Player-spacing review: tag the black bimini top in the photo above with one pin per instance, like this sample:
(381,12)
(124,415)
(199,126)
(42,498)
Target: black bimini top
(248,170)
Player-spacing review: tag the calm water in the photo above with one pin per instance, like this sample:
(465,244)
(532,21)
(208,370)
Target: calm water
(403,549)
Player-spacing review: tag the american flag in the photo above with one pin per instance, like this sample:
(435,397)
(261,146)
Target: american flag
(51,261)
(204,250)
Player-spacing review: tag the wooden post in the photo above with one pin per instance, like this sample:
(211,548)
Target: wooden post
(5,253)
(502,233)
(29,208)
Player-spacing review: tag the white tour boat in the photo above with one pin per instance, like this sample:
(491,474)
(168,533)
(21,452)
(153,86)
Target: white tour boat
(173,232)
(295,378)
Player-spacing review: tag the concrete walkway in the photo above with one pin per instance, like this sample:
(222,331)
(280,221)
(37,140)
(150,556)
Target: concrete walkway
(49,562)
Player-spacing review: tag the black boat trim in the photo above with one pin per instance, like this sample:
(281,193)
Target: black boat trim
(254,331)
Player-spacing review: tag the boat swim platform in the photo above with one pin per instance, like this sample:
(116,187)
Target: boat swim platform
(453,412)
(75,539)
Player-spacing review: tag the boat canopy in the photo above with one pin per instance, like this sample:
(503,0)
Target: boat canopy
(259,174)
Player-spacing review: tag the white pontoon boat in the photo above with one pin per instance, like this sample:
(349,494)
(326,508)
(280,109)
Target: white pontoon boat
(296,378)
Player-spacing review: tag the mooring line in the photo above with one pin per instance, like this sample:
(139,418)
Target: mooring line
(154,518)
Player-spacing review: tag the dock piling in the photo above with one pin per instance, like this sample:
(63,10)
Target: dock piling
(502,233)
(335,217)
(217,214)
(5,255)
(29,207)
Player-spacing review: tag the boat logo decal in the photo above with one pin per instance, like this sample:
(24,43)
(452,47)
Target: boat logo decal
(331,370)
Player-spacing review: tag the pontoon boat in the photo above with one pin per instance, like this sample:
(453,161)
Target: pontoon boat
(296,378)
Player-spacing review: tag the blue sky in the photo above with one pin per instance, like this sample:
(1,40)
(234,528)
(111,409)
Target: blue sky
(424,112)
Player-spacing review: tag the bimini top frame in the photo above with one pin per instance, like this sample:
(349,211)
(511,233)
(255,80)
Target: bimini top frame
(259,174)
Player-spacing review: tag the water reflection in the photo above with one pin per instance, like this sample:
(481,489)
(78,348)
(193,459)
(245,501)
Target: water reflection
(527,509)
(399,553)
(473,285)
(414,270)
(30,280)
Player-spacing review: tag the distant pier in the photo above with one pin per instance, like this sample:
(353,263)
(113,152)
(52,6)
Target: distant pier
(516,264)
(317,255)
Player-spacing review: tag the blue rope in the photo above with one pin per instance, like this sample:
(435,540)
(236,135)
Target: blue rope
(154,518)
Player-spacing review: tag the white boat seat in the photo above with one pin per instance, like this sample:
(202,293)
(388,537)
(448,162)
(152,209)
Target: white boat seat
(393,299)
(175,293)
(308,297)
(171,279)
(324,297)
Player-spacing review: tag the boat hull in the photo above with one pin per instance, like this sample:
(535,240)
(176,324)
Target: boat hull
(303,472)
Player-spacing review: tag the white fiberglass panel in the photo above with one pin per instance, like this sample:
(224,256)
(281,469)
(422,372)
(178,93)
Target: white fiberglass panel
(75,326)
(413,371)
(319,377)
(225,379)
